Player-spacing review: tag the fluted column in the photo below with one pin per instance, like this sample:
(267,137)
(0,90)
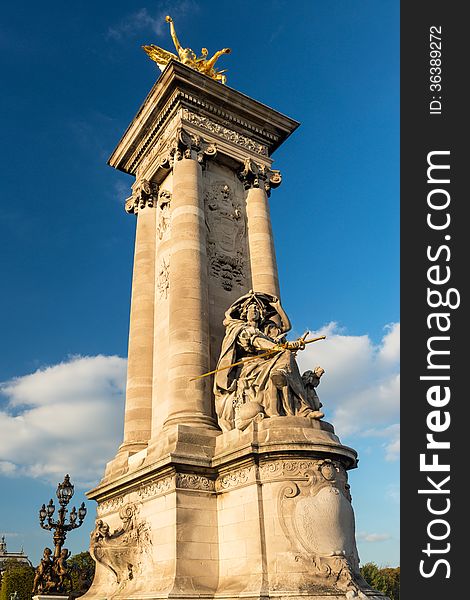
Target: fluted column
(138,408)
(189,402)
(258,181)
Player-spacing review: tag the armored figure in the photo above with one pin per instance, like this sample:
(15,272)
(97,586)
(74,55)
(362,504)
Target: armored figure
(257,374)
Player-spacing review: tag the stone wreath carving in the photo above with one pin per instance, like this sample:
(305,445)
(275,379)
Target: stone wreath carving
(318,520)
(120,551)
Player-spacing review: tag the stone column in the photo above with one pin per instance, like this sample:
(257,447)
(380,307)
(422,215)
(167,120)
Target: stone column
(258,181)
(189,402)
(138,410)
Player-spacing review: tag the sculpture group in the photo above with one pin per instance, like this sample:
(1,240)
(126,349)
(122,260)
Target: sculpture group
(257,375)
(52,575)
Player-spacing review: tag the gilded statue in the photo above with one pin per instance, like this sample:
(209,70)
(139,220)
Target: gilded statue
(257,375)
(187,56)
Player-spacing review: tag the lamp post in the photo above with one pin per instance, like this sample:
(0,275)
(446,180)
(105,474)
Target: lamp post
(65,492)
(52,573)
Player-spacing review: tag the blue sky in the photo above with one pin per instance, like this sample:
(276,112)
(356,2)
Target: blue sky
(75,76)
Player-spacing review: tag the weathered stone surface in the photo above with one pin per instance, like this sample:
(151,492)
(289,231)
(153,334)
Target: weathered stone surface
(263,508)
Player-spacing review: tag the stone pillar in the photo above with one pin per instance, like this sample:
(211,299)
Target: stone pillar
(189,402)
(138,410)
(258,182)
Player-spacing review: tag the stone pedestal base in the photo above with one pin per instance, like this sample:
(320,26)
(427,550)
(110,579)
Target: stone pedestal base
(263,513)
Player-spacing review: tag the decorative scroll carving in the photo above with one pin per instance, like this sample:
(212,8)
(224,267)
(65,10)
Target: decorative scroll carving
(318,520)
(121,551)
(163,278)
(259,176)
(110,505)
(226,233)
(194,482)
(144,193)
(157,487)
(163,216)
(298,469)
(228,134)
(235,478)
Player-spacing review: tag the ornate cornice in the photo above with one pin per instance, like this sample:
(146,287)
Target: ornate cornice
(227,134)
(184,96)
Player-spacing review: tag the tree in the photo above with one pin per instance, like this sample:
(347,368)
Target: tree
(16,577)
(385,580)
(82,570)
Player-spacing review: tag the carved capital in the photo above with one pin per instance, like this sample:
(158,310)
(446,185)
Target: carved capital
(254,175)
(190,146)
(144,193)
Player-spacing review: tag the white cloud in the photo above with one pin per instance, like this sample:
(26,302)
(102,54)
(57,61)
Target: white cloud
(361,384)
(67,418)
(373,537)
(143,20)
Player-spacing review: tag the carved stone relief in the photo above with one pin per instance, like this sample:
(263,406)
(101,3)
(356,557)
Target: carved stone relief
(226,234)
(163,215)
(163,278)
(110,505)
(121,552)
(236,478)
(157,487)
(191,481)
(318,520)
(228,134)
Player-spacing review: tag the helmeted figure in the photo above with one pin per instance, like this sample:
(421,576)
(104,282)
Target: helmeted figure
(267,381)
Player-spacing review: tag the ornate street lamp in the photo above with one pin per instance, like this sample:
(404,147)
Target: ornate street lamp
(65,492)
(52,572)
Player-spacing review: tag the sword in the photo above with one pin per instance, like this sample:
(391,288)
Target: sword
(279,348)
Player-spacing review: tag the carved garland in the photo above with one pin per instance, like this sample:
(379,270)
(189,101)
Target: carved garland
(228,134)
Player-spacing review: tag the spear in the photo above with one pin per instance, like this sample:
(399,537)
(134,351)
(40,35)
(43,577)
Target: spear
(278,348)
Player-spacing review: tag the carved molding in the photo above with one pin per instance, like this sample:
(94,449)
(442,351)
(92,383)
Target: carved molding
(190,481)
(167,112)
(228,134)
(280,469)
(253,175)
(235,478)
(157,487)
(111,505)
(144,193)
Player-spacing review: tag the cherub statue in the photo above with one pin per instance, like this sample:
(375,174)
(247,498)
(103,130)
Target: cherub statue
(43,578)
(187,56)
(62,570)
